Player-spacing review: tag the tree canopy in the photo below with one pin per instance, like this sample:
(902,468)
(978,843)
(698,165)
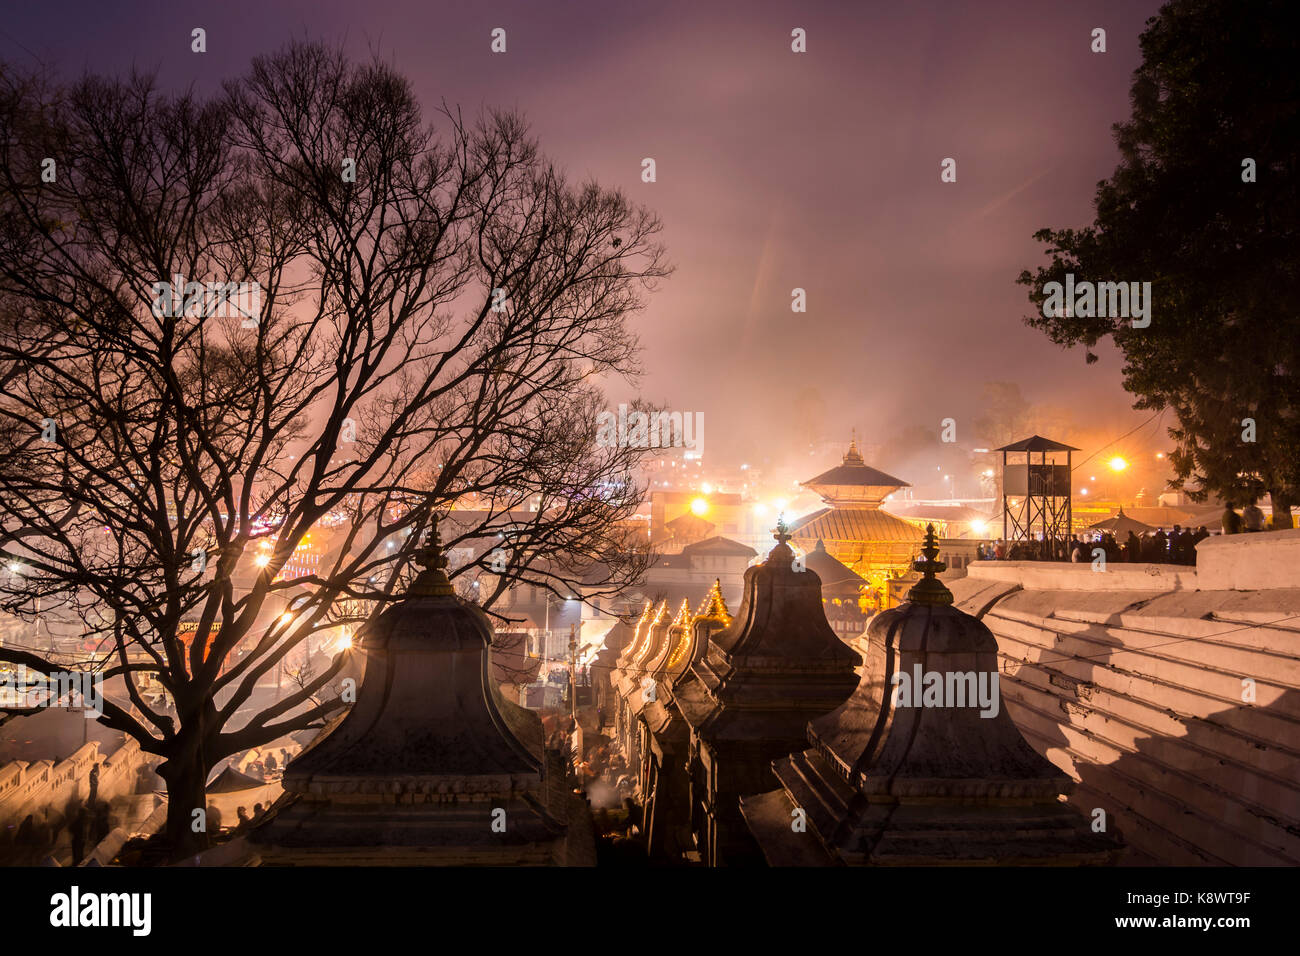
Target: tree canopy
(1203,205)
(435,306)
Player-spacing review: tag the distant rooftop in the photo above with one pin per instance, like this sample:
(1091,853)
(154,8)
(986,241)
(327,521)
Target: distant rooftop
(1036,443)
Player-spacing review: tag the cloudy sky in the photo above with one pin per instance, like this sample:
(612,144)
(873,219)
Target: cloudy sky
(775,170)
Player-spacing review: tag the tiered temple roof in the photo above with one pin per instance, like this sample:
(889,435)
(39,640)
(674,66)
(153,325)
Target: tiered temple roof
(852,528)
(854,483)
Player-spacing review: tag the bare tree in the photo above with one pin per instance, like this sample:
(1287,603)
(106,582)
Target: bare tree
(433,313)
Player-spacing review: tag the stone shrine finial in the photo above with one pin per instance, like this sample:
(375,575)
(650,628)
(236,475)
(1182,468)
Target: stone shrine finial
(433,580)
(929,590)
(782,531)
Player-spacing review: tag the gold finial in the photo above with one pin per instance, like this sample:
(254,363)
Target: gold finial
(929,590)
(714,607)
(683,615)
(682,623)
(661,616)
(430,555)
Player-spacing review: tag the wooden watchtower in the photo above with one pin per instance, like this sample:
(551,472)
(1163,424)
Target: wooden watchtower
(1036,503)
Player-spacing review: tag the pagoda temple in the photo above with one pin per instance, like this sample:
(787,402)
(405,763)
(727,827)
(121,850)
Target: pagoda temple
(852,527)
(922,766)
(431,765)
(752,691)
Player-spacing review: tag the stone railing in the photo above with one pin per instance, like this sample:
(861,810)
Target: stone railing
(28,788)
(46,783)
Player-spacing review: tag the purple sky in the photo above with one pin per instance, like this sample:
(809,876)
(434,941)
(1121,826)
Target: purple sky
(775,170)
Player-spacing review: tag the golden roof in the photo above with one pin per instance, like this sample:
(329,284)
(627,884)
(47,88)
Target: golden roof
(854,524)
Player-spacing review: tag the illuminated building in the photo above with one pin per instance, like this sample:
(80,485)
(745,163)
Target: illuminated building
(852,526)
(700,515)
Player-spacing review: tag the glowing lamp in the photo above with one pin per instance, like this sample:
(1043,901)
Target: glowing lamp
(1118,464)
(700,506)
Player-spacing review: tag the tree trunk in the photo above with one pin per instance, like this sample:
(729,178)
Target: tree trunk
(1281,510)
(186,772)
(186,792)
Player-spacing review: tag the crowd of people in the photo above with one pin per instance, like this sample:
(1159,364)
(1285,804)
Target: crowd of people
(82,825)
(1250,519)
(603,760)
(266,766)
(1177,546)
(1154,547)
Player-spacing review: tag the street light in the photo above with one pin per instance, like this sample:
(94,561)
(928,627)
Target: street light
(1118,464)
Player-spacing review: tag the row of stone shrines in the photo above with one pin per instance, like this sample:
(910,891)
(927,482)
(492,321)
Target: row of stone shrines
(756,741)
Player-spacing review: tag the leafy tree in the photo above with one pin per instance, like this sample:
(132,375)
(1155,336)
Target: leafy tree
(1204,206)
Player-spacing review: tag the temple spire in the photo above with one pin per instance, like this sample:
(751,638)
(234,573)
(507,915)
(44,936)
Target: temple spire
(683,615)
(714,607)
(433,580)
(782,530)
(929,590)
(853,456)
